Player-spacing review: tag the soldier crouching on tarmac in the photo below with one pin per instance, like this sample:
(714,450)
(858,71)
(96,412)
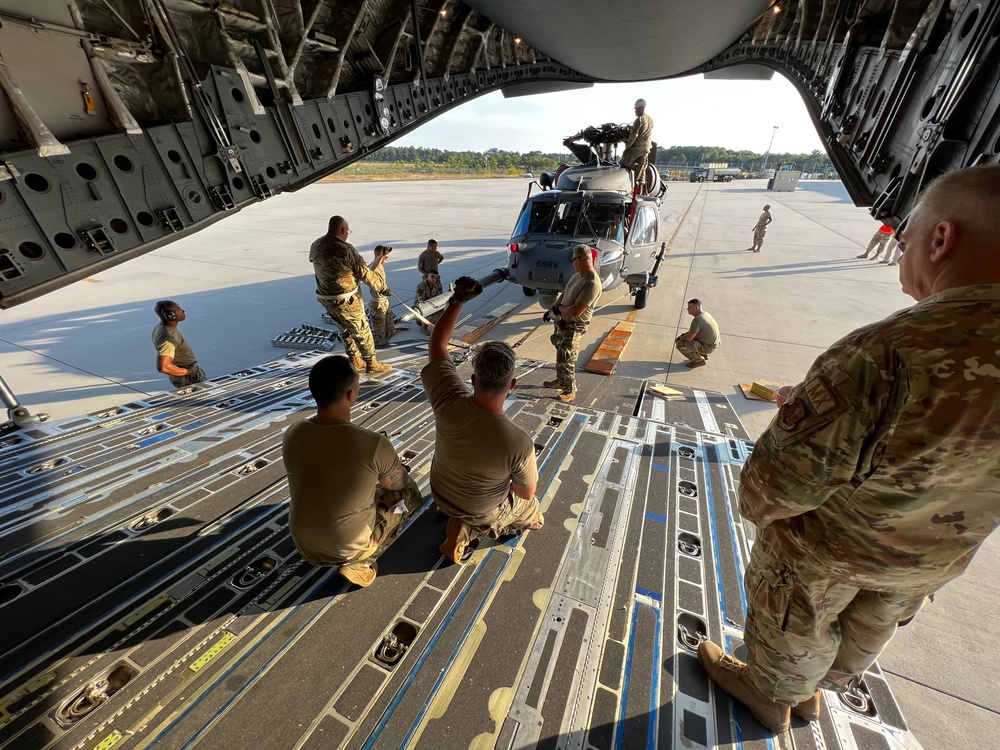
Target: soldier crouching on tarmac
(876,482)
(571,316)
(483,475)
(350,495)
(339,270)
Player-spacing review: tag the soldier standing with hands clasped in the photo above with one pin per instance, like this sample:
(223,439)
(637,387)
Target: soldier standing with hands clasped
(571,316)
(876,482)
(760,229)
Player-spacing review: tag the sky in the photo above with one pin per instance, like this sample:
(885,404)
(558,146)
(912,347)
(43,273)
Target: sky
(688,111)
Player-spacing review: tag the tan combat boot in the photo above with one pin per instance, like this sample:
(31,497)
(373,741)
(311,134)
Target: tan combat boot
(360,573)
(374,367)
(731,675)
(359,364)
(567,396)
(455,543)
(554,383)
(809,708)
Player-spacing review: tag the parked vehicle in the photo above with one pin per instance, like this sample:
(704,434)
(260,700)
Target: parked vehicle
(714,174)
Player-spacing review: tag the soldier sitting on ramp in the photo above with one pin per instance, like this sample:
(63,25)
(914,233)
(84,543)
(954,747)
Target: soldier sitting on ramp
(350,495)
(483,475)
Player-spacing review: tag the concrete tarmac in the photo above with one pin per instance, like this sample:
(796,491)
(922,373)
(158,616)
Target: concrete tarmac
(247,279)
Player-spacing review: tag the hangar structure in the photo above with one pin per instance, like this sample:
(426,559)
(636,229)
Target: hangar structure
(126,124)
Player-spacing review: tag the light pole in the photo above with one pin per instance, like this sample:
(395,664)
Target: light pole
(768,152)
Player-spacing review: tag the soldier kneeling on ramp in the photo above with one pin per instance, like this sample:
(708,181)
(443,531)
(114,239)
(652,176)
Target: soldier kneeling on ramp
(350,495)
(483,475)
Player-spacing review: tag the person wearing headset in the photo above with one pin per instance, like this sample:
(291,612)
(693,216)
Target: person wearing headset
(175,357)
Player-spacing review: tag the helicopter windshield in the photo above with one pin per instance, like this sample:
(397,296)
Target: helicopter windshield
(535,218)
(604,221)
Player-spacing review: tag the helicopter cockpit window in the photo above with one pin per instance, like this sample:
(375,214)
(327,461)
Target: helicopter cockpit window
(644,229)
(604,221)
(566,217)
(535,218)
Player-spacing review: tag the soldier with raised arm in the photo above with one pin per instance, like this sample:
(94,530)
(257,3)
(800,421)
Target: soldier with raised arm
(483,476)
(876,482)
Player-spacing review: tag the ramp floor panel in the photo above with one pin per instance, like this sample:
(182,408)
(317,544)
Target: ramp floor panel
(150,592)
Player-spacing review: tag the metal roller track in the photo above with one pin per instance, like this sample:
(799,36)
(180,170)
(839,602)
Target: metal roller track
(174,610)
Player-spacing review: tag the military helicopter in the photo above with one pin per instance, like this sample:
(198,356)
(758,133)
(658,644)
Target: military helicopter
(596,204)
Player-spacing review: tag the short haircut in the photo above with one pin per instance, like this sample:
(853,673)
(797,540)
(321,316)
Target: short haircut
(969,197)
(583,251)
(493,365)
(431,242)
(331,378)
(335,222)
(695,301)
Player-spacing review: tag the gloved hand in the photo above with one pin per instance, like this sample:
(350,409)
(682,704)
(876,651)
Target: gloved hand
(466,288)
(547,316)
(386,292)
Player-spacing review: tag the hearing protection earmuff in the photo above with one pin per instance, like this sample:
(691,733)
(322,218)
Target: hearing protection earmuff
(165,312)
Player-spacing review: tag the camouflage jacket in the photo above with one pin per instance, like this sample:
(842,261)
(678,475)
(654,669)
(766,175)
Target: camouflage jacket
(339,268)
(883,467)
(640,138)
(426,291)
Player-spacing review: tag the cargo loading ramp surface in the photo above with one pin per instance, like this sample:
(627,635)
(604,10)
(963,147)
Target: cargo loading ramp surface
(151,593)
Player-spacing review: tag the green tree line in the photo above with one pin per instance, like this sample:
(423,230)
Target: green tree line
(509,162)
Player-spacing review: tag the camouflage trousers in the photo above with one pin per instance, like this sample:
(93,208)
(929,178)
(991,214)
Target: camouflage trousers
(694,350)
(512,516)
(758,238)
(566,339)
(381,322)
(388,524)
(353,323)
(195,375)
(805,631)
(877,244)
(638,166)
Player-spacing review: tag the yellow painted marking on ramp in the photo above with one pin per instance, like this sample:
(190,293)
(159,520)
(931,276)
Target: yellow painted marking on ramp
(110,741)
(606,358)
(143,611)
(215,649)
(608,354)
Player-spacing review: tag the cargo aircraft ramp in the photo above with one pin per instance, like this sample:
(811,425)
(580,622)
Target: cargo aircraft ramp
(151,594)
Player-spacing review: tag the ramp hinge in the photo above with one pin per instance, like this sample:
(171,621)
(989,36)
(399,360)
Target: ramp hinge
(97,240)
(170,218)
(222,197)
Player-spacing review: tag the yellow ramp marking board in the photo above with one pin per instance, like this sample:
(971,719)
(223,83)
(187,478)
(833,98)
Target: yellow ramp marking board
(108,742)
(605,359)
(214,650)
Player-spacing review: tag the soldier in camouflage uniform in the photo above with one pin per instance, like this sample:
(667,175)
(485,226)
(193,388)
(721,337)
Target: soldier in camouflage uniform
(379,315)
(570,316)
(427,289)
(760,229)
(339,269)
(876,483)
(878,242)
(640,141)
